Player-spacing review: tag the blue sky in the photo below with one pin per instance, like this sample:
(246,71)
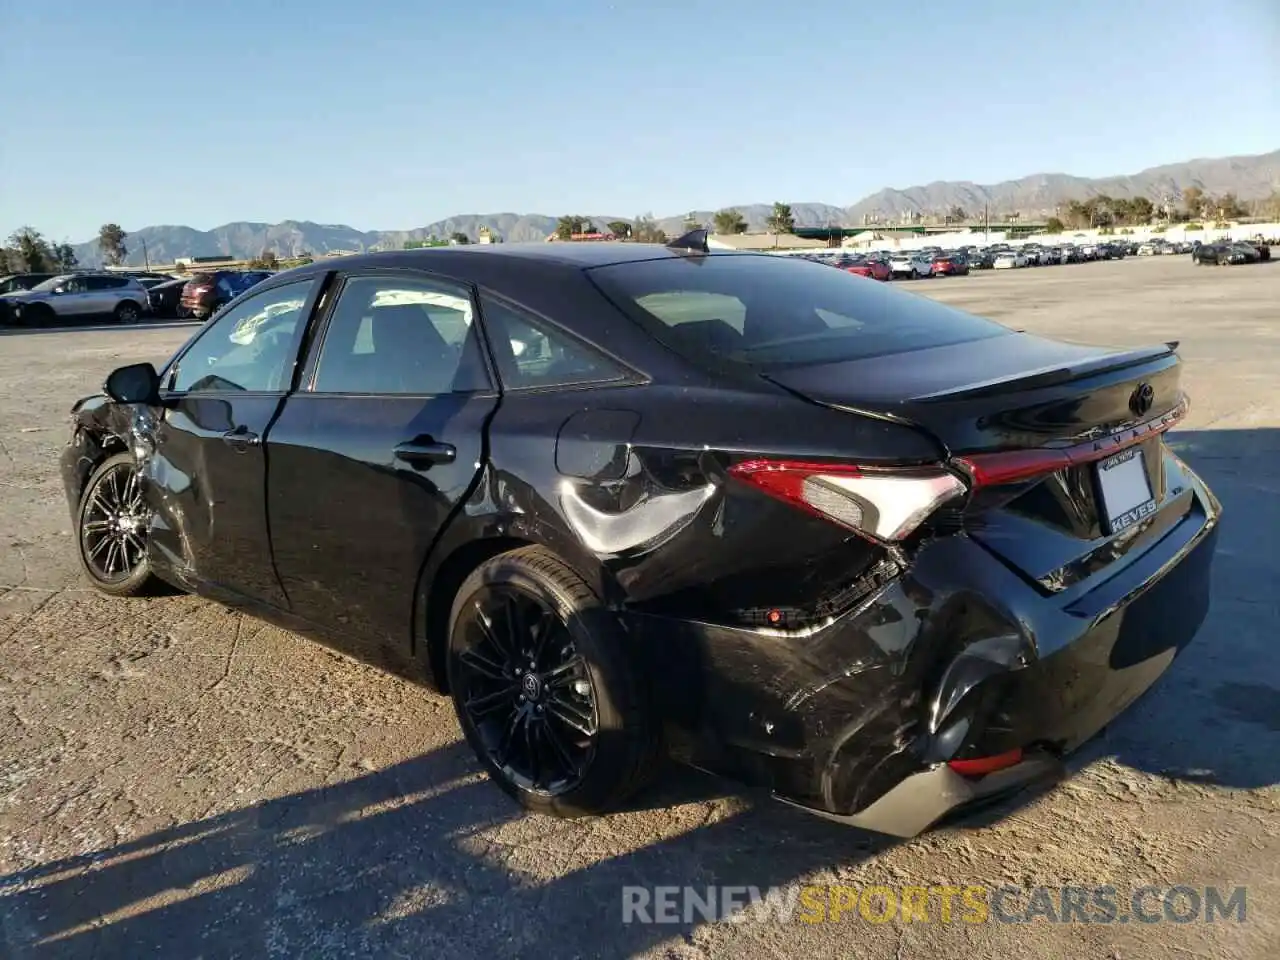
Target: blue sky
(391,114)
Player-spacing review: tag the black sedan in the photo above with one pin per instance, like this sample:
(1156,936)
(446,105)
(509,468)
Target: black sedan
(879,556)
(1228,252)
(166,299)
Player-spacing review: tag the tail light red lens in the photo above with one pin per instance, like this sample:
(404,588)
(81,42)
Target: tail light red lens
(881,504)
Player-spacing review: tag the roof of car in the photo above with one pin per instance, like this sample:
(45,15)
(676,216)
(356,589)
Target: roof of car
(568,253)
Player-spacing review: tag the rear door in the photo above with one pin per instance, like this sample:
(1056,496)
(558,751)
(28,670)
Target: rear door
(380,447)
(206,482)
(104,293)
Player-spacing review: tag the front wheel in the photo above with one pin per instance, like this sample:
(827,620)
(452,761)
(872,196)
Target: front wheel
(546,687)
(37,315)
(112,534)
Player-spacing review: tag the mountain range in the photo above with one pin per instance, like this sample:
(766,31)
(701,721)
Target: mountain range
(1248,177)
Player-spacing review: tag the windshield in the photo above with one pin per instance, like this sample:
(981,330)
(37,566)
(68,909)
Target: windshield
(767,312)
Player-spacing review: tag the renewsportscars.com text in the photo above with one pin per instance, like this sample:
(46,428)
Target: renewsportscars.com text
(973,904)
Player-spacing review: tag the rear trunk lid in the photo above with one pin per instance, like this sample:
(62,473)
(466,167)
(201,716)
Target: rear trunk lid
(1062,440)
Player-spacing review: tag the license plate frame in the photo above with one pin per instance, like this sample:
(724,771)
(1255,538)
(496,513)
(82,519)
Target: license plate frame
(1124,490)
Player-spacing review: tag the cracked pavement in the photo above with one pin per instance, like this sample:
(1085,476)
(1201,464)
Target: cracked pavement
(179,780)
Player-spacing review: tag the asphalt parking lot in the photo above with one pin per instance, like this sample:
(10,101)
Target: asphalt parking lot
(177,780)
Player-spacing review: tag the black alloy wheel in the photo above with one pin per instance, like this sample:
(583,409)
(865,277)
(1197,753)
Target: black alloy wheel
(526,690)
(543,687)
(113,529)
(127,312)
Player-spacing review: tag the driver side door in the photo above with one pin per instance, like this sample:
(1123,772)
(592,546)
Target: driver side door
(206,478)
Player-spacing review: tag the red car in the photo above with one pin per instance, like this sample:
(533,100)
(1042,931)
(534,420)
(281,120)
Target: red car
(954,264)
(876,269)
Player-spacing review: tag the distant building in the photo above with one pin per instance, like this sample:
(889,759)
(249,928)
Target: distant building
(763,241)
(219,259)
(581,237)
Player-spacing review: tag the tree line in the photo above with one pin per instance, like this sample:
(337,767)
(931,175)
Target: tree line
(645,229)
(1195,204)
(28,251)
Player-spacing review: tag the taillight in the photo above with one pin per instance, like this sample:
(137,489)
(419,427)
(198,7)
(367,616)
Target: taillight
(886,505)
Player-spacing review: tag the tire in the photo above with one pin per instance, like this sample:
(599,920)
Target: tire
(534,737)
(37,315)
(127,312)
(108,483)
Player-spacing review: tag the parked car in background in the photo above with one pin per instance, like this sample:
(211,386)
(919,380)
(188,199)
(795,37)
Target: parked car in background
(1228,252)
(165,299)
(77,297)
(871,267)
(207,293)
(980,259)
(1009,259)
(910,265)
(17,282)
(950,263)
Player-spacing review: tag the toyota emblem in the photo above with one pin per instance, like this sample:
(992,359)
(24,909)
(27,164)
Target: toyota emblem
(1143,396)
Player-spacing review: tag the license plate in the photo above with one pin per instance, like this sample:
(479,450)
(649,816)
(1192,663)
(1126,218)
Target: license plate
(1126,492)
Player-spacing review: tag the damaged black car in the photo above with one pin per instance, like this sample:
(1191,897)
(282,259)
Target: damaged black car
(879,556)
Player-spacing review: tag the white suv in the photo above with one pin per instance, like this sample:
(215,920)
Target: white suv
(77,297)
(910,264)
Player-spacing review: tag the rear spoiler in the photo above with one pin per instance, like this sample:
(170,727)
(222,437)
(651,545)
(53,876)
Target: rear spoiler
(1051,376)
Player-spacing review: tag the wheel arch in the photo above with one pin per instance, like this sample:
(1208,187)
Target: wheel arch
(96,445)
(436,595)
(445,574)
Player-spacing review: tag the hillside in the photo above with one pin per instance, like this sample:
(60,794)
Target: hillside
(1248,177)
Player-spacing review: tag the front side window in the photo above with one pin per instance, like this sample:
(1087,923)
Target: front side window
(251,347)
(763,312)
(401,335)
(532,354)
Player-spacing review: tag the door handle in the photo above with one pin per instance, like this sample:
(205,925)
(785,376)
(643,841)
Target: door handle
(241,439)
(422,452)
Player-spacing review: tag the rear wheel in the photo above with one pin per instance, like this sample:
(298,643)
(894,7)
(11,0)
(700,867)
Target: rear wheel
(127,312)
(545,688)
(112,532)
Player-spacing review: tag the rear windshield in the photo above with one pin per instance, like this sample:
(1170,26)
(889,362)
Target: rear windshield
(770,312)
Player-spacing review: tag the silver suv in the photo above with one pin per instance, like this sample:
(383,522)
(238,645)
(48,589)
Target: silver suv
(77,297)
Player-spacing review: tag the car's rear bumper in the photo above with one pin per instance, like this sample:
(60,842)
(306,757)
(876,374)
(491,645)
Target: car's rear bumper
(959,658)
(922,799)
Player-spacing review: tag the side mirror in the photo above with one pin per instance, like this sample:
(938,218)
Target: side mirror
(136,383)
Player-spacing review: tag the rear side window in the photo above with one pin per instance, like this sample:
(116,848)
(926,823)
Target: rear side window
(106,283)
(765,311)
(531,353)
